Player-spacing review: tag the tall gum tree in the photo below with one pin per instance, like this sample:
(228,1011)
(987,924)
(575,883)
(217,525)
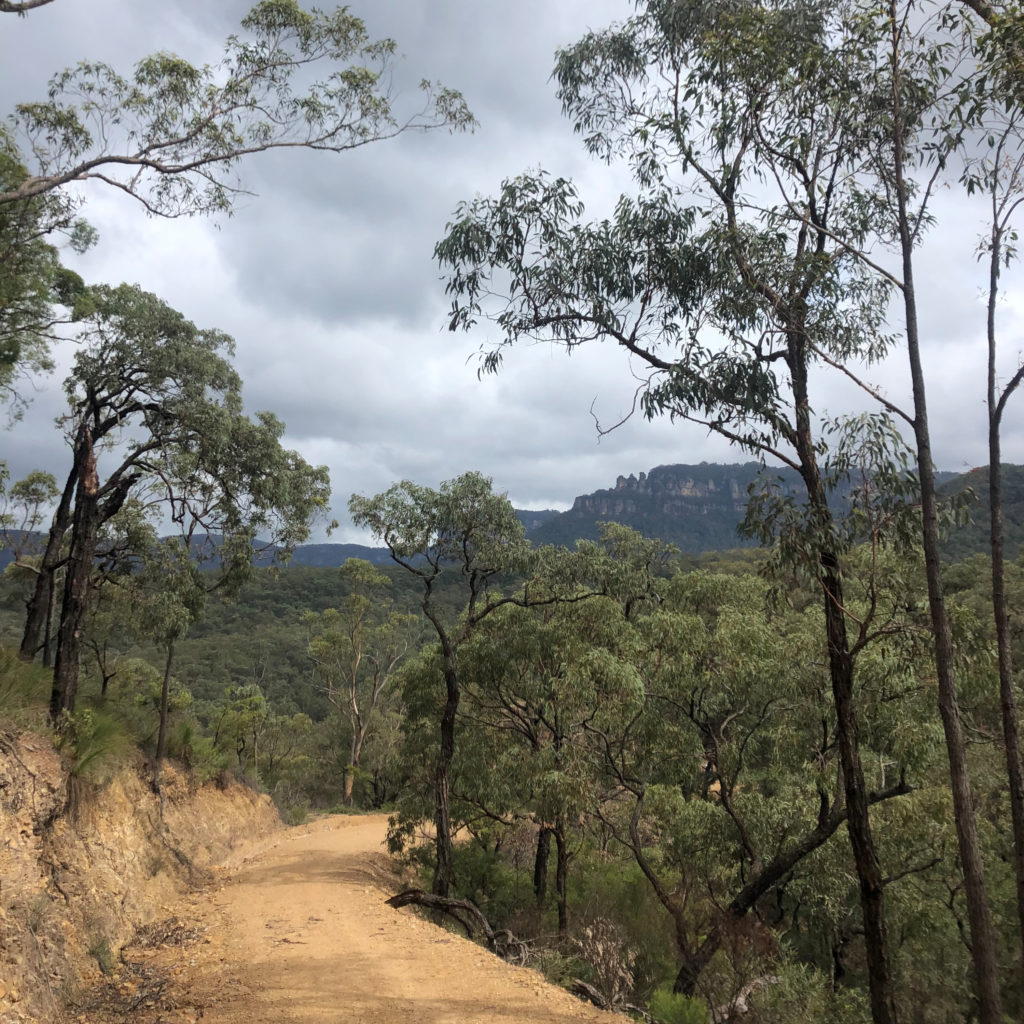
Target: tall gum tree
(996,173)
(925,65)
(722,278)
(991,107)
(461,528)
(464,530)
(155,413)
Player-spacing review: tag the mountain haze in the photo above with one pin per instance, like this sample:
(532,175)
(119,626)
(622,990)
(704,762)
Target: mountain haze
(698,508)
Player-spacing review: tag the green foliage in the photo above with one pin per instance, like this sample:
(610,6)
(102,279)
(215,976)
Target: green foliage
(190,744)
(146,377)
(240,724)
(739,268)
(94,743)
(666,1007)
(162,393)
(101,951)
(604,885)
(24,689)
(692,732)
(356,649)
(796,993)
(183,128)
(462,526)
(33,282)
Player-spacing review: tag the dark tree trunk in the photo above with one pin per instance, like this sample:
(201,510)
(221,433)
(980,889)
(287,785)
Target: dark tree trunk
(84,529)
(165,691)
(1007,695)
(105,676)
(760,883)
(380,789)
(562,878)
(39,609)
(858,823)
(442,881)
(841,673)
(983,947)
(90,513)
(540,866)
(51,609)
(694,963)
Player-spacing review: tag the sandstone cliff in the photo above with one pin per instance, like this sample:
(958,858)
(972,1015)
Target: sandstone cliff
(697,508)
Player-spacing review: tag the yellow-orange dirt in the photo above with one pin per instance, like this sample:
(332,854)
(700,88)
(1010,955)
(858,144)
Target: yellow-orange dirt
(299,932)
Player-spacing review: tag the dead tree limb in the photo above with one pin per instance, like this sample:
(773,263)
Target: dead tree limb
(469,916)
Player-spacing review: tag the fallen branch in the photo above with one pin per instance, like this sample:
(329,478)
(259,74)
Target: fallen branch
(740,1004)
(466,913)
(585,991)
(588,993)
(469,916)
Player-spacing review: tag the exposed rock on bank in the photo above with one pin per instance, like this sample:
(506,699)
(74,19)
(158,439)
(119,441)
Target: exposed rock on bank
(77,880)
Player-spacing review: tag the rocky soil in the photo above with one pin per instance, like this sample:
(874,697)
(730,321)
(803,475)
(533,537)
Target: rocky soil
(78,880)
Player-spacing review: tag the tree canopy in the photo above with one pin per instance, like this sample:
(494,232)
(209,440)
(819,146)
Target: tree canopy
(171,133)
(155,399)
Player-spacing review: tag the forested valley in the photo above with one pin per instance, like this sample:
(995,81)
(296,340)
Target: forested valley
(772,784)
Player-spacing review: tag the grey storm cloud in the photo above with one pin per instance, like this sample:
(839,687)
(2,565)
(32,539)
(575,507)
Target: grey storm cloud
(325,275)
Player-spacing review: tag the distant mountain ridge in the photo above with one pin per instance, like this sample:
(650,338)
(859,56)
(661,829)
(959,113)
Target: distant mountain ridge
(974,538)
(696,507)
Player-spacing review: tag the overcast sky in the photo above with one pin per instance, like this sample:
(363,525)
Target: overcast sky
(326,280)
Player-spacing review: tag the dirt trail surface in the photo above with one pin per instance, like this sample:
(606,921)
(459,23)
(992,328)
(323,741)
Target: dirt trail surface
(299,932)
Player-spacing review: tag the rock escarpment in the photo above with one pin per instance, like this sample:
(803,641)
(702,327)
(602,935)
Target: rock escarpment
(697,508)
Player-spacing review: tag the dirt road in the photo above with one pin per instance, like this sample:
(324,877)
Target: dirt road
(300,933)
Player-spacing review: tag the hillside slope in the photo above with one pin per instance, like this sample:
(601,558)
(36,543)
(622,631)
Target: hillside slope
(79,881)
(973,538)
(697,508)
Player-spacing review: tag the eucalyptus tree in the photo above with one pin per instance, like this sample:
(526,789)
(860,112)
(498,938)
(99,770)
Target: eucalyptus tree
(998,175)
(356,649)
(157,399)
(171,596)
(171,134)
(723,278)
(535,682)
(37,293)
(990,107)
(726,771)
(462,529)
(926,66)
(23,511)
